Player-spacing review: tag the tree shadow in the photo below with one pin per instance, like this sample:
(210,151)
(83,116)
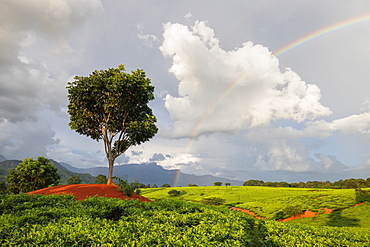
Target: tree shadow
(337,219)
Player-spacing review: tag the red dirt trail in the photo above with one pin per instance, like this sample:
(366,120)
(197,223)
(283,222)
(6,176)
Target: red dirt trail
(247,212)
(83,191)
(305,214)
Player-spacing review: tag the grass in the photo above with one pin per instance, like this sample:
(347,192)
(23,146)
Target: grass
(358,216)
(272,203)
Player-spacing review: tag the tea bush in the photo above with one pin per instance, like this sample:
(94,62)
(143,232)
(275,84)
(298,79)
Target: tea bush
(61,221)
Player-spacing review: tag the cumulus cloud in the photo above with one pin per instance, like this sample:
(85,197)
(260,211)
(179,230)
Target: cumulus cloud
(231,90)
(27,82)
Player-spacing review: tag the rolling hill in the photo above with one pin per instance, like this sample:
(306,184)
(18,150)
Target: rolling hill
(64,173)
(151,173)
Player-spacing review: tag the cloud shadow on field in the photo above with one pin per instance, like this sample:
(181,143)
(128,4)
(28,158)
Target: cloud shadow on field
(337,219)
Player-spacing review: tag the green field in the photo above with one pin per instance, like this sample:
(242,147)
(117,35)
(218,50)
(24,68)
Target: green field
(184,220)
(277,203)
(59,220)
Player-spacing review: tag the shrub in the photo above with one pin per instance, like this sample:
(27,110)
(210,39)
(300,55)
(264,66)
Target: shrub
(362,195)
(292,210)
(32,175)
(174,192)
(101,179)
(127,188)
(214,201)
(74,180)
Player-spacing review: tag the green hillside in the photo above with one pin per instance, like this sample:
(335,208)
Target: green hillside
(59,220)
(278,203)
(7,165)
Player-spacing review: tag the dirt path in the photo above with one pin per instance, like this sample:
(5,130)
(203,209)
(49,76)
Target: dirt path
(305,214)
(247,212)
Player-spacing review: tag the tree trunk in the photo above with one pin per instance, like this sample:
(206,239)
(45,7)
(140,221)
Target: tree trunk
(110,171)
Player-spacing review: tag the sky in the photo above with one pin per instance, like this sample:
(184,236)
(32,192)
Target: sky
(268,90)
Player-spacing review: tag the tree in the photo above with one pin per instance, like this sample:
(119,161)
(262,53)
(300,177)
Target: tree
(111,105)
(32,175)
(166,185)
(218,183)
(101,179)
(253,182)
(74,180)
(127,188)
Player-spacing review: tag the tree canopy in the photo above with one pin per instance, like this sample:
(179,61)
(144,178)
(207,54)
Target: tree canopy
(112,106)
(74,180)
(32,175)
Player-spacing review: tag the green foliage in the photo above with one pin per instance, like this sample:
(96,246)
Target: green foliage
(32,175)
(7,165)
(74,180)
(166,185)
(3,187)
(59,220)
(127,188)
(112,105)
(101,179)
(192,185)
(362,195)
(218,183)
(62,221)
(349,217)
(214,201)
(253,182)
(287,235)
(174,192)
(292,210)
(267,202)
(351,183)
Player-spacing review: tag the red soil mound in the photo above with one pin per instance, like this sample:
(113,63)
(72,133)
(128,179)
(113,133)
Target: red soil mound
(82,191)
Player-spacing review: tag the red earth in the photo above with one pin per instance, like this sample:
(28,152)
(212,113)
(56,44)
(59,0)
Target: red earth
(305,214)
(247,212)
(83,191)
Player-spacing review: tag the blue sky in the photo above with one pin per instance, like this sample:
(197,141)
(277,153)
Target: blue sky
(226,106)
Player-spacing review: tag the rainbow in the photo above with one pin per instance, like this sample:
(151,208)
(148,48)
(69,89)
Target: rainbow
(312,36)
(322,32)
(176,178)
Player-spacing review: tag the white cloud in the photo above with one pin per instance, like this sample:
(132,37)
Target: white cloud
(148,39)
(231,90)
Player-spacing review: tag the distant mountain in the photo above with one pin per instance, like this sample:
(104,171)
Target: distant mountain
(2,158)
(64,173)
(148,173)
(151,173)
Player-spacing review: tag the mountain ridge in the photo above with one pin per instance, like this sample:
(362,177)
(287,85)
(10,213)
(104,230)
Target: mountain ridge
(145,173)
(152,173)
